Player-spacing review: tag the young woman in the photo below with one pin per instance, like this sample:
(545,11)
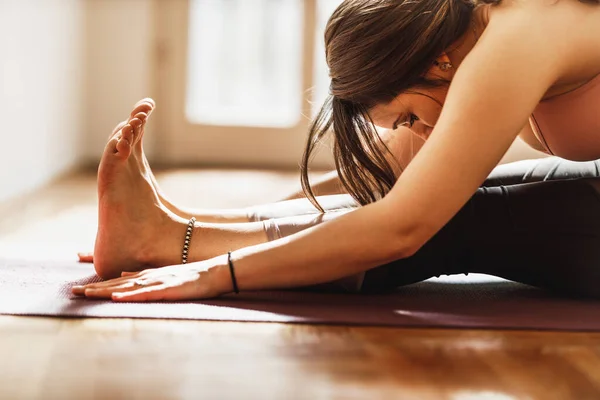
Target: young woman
(469,78)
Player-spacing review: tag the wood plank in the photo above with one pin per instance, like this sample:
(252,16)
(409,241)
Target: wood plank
(125,358)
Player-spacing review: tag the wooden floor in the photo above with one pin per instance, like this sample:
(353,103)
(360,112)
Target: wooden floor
(44,358)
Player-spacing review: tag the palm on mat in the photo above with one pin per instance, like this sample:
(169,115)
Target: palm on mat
(179,282)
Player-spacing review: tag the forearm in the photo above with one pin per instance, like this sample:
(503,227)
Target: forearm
(214,216)
(328,184)
(324,253)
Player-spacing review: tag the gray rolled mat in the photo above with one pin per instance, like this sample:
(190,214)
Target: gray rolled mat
(475,301)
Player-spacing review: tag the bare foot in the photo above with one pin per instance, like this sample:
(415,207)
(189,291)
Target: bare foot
(145,106)
(131,218)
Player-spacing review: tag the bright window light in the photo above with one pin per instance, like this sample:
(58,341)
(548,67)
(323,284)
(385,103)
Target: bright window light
(245,62)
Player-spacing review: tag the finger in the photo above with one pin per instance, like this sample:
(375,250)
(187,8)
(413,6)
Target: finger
(187,291)
(106,293)
(138,273)
(86,257)
(153,293)
(111,282)
(80,289)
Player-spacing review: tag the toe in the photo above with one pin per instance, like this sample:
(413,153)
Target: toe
(137,124)
(143,108)
(142,116)
(111,148)
(147,100)
(123,146)
(140,135)
(146,106)
(117,128)
(127,133)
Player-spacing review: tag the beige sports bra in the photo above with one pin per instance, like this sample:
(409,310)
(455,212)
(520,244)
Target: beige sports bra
(568,125)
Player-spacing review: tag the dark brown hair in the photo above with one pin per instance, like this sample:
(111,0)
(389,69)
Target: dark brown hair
(375,50)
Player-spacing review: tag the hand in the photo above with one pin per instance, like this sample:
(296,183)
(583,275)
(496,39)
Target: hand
(177,282)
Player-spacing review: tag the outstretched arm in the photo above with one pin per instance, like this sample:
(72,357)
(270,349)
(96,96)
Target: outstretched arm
(325,185)
(499,74)
(509,70)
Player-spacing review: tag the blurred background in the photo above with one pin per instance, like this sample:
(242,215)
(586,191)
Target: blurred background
(236,82)
(232,79)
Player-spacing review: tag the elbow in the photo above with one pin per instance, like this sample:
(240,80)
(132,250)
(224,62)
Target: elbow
(407,242)
(404,237)
(404,246)
(410,251)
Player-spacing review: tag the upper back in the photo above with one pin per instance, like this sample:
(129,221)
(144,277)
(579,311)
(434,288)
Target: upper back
(572,28)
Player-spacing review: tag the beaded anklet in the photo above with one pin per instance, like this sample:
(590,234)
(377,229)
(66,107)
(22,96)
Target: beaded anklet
(188,237)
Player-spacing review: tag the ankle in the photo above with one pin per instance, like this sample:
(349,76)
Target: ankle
(166,247)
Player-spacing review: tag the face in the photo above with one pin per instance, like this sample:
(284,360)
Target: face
(417,109)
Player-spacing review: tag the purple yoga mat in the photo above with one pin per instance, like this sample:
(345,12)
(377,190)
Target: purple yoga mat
(476,301)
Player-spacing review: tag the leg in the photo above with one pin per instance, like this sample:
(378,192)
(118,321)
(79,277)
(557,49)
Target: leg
(136,230)
(541,170)
(521,211)
(140,113)
(250,214)
(544,234)
(122,179)
(563,192)
(147,106)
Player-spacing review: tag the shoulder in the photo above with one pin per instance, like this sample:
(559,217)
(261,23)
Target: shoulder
(552,18)
(560,12)
(569,27)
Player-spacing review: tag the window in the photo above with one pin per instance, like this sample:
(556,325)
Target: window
(237,79)
(245,62)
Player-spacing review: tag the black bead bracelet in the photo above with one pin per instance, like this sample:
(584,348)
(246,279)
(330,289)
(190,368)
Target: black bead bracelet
(232,271)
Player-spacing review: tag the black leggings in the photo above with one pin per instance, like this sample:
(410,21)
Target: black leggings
(536,222)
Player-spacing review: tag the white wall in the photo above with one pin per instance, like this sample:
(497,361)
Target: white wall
(41,91)
(120,56)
